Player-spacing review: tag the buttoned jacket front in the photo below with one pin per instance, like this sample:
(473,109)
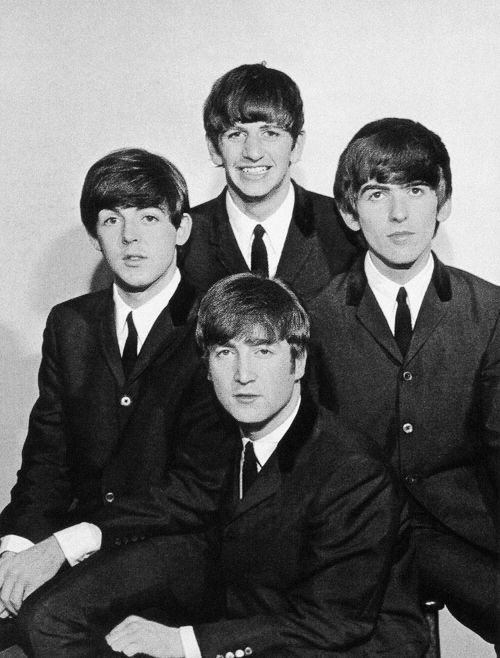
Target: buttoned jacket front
(435,413)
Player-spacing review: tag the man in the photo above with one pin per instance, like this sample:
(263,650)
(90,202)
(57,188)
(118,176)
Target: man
(120,383)
(310,546)
(262,221)
(408,351)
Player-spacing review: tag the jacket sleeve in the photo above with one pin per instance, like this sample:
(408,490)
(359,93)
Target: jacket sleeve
(352,533)
(489,397)
(188,498)
(42,491)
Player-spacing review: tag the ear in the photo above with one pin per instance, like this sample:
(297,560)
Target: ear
(214,154)
(296,153)
(350,221)
(444,212)
(95,242)
(300,366)
(184,230)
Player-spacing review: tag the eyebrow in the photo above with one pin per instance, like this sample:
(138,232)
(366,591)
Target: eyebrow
(381,186)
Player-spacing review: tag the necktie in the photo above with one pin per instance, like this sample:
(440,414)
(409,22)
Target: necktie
(249,470)
(259,252)
(129,356)
(402,329)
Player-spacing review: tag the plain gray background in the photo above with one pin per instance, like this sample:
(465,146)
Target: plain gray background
(80,78)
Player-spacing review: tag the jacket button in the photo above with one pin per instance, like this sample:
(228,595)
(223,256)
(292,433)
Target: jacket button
(125,401)
(248,651)
(219,655)
(109,497)
(239,654)
(407,428)
(229,654)
(407,376)
(411,479)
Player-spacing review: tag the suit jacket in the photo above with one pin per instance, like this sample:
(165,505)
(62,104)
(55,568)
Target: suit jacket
(316,248)
(315,558)
(436,413)
(94,437)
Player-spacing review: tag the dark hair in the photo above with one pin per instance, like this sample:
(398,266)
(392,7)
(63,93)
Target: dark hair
(394,151)
(133,178)
(248,306)
(253,92)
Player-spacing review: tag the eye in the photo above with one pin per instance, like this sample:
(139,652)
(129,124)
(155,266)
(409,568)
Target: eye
(417,190)
(235,135)
(271,134)
(222,352)
(110,221)
(263,351)
(150,219)
(375,195)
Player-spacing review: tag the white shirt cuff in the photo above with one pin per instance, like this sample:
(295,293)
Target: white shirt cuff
(189,642)
(78,542)
(14,543)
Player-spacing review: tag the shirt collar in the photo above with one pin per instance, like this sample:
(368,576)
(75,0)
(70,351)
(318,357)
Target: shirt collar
(385,290)
(266,445)
(276,225)
(145,315)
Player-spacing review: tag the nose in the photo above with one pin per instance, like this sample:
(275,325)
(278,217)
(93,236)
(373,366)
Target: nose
(252,148)
(399,209)
(129,232)
(244,372)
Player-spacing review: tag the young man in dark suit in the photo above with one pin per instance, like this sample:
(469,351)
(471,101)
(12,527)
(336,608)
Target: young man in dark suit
(262,221)
(309,554)
(408,352)
(120,380)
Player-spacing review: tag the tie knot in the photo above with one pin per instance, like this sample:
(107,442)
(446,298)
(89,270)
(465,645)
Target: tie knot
(259,231)
(130,323)
(401,296)
(249,454)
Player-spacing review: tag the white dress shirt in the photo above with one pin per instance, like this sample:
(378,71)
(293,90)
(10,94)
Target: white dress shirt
(263,448)
(385,290)
(276,229)
(78,542)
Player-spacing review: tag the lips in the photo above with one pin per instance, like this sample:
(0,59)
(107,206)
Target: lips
(254,171)
(400,236)
(245,398)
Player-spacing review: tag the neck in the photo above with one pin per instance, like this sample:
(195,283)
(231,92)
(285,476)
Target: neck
(400,273)
(260,208)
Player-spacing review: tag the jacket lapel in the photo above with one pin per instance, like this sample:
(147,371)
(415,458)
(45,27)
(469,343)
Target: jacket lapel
(109,341)
(222,238)
(369,313)
(282,461)
(165,332)
(300,238)
(434,307)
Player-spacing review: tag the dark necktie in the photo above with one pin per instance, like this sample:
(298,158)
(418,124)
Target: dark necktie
(249,471)
(259,252)
(129,356)
(402,329)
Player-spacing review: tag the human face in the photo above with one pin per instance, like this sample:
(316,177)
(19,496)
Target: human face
(139,245)
(256,383)
(256,157)
(398,223)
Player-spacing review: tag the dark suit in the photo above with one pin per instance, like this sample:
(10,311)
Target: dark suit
(316,247)
(93,436)
(436,414)
(313,562)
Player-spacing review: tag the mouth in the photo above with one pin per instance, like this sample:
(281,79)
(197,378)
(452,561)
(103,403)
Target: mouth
(400,236)
(254,171)
(245,398)
(133,258)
